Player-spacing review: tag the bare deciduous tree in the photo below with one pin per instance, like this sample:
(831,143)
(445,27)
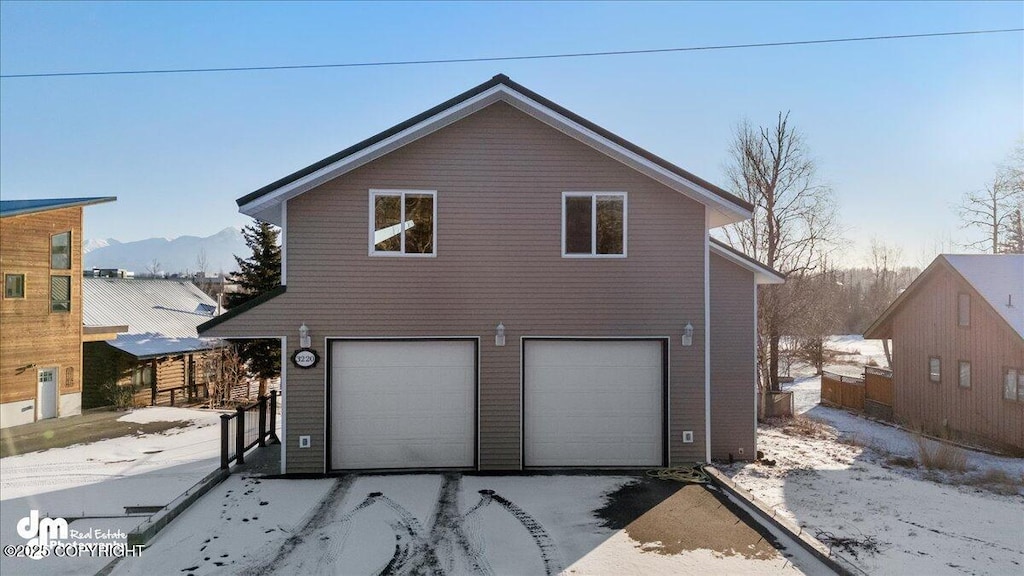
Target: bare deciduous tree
(793,227)
(996,210)
(224,369)
(988,211)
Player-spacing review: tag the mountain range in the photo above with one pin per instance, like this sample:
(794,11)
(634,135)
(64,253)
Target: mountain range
(169,255)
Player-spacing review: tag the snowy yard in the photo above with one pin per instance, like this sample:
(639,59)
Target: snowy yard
(850,477)
(455,524)
(91,484)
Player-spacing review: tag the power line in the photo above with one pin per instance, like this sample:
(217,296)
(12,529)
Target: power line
(507,58)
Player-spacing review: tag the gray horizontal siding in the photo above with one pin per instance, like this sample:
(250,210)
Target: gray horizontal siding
(733,377)
(499,177)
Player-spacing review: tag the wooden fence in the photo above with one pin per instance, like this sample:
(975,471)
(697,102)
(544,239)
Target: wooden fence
(878,393)
(871,394)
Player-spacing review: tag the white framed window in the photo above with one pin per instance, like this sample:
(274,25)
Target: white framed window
(963,309)
(403,222)
(594,224)
(965,374)
(934,369)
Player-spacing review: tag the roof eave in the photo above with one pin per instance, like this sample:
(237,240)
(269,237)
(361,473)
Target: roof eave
(762,274)
(80,203)
(724,208)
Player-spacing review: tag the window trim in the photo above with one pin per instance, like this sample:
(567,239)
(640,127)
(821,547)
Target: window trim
(960,374)
(24,285)
(960,295)
(71,241)
(401,192)
(593,222)
(938,378)
(71,289)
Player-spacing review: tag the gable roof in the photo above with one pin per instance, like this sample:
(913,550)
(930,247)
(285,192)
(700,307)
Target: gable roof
(997,278)
(265,203)
(19,207)
(762,274)
(162,315)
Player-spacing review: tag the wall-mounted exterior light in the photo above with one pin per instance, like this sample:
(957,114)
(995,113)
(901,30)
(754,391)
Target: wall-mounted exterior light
(688,334)
(499,335)
(304,340)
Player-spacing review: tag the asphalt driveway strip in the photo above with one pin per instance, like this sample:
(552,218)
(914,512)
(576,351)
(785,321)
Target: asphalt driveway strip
(447,524)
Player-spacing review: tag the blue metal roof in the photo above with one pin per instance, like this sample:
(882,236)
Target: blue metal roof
(16,207)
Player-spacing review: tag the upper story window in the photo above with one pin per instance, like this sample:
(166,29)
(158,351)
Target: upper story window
(60,251)
(402,222)
(594,224)
(963,309)
(14,285)
(934,369)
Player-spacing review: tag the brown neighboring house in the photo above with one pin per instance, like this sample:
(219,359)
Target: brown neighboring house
(158,353)
(499,284)
(958,349)
(41,330)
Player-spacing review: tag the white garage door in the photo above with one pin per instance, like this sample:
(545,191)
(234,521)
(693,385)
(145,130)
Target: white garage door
(593,403)
(403,404)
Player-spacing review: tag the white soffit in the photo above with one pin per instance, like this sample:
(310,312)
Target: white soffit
(762,274)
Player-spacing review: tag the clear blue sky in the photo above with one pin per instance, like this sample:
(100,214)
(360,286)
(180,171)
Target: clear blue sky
(900,129)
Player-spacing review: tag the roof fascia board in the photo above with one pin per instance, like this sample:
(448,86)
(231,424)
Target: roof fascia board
(722,211)
(869,333)
(428,126)
(80,203)
(762,274)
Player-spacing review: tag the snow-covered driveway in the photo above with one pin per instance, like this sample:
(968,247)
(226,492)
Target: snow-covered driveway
(463,524)
(91,484)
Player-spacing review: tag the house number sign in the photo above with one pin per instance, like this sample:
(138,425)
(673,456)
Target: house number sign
(305,358)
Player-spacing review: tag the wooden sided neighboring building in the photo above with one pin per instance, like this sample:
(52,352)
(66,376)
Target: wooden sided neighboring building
(158,354)
(958,349)
(41,331)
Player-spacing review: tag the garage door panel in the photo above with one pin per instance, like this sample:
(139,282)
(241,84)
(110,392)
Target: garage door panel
(593,402)
(403,404)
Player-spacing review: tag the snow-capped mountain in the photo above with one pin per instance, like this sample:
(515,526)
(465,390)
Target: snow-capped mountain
(171,256)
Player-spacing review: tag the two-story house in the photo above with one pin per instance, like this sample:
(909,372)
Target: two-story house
(500,284)
(958,349)
(41,330)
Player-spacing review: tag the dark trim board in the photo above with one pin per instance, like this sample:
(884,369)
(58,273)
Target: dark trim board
(664,392)
(329,345)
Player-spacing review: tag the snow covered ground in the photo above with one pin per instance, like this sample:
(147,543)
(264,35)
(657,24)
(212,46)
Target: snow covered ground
(91,484)
(849,477)
(453,524)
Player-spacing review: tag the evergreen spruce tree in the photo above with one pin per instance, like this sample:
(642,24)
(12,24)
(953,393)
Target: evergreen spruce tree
(257,275)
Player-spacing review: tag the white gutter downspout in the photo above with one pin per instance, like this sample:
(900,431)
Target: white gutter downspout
(707,340)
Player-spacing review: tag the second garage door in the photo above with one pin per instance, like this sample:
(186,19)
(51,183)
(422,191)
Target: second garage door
(403,404)
(593,402)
